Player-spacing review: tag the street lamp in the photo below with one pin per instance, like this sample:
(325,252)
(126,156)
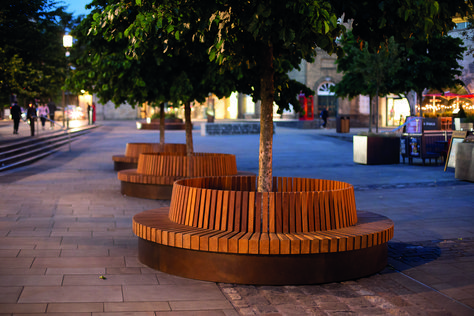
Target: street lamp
(67,43)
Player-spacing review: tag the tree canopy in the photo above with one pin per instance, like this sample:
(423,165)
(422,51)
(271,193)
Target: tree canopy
(429,64)
(32,57)
(260,41)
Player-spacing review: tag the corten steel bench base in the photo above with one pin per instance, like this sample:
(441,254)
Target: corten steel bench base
(118,165)
(305,231)
(146,191)
(263,269)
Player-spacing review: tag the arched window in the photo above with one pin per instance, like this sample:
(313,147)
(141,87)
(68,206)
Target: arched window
(327,98)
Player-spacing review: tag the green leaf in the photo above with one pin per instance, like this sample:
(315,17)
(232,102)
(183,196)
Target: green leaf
(169,28)
(326,27)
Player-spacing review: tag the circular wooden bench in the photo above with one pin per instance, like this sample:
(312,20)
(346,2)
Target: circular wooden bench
(156,172)
(133,151)
(306,231)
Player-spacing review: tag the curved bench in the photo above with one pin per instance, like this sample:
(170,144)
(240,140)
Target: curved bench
(133,151)
(156,172)
(306,231)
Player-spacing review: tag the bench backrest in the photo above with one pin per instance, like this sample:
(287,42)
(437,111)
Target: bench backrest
(135,149)
(232,204)
(182,165)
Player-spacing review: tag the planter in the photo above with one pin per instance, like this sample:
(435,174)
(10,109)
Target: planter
(376,150)
(133,151)
(465,162)
(305,231)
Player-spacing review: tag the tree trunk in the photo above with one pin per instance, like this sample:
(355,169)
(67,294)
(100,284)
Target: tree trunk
(189,136)
(370,113)
(162,124)
(266,122)
(412,98)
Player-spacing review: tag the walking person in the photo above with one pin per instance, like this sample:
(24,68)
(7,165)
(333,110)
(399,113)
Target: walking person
(324,115)
(43,112)
(52,108)
(31,116)
(15,112)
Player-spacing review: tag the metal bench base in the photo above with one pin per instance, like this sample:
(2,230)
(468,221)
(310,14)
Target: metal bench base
(263,269)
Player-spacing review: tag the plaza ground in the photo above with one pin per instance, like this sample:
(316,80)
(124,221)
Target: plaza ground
(64,224)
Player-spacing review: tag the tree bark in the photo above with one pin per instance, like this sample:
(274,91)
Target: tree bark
(162,124)
(189,136)
(266,121)
(370,113)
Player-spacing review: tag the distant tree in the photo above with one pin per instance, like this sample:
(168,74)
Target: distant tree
(367,73)
(103,68)
(159,69)
(32,58)
(429,64)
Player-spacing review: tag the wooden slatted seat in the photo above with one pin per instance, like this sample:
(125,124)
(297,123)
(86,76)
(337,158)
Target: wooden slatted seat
(308,225)
(156,172)
(133,151)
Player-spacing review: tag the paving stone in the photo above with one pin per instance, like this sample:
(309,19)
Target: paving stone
(136,306)
(9,294)
(76,307)
(200,305)
(70,294)
(191,313)
(9,253)
(109,280)
(27,280)
(80,262)
(146,293)
(23,308)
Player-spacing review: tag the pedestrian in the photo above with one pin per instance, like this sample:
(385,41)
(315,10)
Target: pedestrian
(89,114)
(324,115)
(93,113)
(31,116)
(15,112)
(52,108)
(43,112)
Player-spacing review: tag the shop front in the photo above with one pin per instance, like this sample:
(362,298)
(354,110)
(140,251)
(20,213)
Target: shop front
(397,110)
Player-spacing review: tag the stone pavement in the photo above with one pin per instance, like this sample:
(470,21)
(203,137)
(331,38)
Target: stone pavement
(67,248)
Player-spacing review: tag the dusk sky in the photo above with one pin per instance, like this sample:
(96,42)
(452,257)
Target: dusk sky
(76,6)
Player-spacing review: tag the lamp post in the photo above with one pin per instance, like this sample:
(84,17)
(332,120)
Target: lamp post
(67,43)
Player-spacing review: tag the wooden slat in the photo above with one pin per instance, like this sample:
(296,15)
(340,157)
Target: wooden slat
(230,219)
(245,211)
(285,206)
(258,212)
(265,212)
(251,207)
(212,215)
(238,210)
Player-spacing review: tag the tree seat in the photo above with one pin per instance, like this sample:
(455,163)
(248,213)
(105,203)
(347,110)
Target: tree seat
(305,231)
(156,172)
(133,151)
